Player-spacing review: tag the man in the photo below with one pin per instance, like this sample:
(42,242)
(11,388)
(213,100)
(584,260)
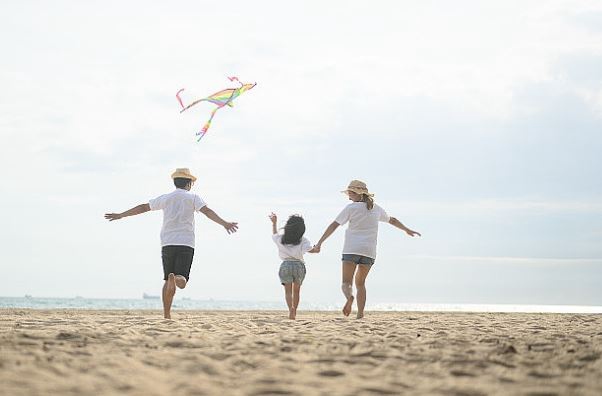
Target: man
(177,233)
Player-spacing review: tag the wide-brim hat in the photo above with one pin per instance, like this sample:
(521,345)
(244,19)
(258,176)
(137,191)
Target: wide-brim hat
(183,173)
(358,187)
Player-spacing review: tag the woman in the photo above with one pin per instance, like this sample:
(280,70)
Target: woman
(359,250)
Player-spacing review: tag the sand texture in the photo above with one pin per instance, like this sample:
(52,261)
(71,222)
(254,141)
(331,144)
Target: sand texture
(76,352)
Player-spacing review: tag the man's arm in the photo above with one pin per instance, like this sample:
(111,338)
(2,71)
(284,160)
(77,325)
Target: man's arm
(136,210)
(230,227)
(394,222)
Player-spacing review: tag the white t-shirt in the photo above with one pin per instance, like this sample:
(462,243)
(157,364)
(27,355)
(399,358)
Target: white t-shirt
(178,216)
(361,235)
(292,251)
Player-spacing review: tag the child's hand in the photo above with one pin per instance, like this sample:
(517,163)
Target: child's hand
(273,217)
(315,249)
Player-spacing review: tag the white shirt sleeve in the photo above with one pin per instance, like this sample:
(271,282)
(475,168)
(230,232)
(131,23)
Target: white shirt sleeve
(276,238)
(157,203)
(198,203)
(383,216)
(343,217)
(305,245)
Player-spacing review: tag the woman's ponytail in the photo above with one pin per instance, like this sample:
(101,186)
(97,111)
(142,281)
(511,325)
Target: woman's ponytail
(368,200)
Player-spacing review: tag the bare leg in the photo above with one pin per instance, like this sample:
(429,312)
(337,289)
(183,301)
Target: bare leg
(296,296)
(348,271)
(360,286)
(169,290)
(288,295)
(181,281)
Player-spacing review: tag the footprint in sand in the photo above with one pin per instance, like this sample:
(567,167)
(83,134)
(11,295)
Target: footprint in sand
(331,373)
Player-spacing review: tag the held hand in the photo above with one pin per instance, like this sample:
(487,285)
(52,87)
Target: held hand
(315,249)
(112,216)
(412,233)
(273,217)
(231,227)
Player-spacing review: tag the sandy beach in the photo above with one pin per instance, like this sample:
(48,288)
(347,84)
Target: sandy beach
(78,352)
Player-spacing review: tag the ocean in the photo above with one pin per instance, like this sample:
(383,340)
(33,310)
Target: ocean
(153,302)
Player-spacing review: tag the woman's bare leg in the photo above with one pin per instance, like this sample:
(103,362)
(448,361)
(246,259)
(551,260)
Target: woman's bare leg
(360,286)
(347,289)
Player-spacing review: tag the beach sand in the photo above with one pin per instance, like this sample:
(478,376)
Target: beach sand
(78,352)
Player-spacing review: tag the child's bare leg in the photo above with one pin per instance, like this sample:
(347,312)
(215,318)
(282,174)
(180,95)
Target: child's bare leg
(288,295)
(360,287)
(169,290)
(296,296)
(348,271)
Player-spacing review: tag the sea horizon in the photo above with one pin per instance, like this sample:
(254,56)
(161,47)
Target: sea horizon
(154,302)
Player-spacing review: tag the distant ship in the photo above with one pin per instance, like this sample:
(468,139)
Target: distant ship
(149,297)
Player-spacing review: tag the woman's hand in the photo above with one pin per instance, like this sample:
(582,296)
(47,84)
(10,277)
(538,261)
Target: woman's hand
(412,233)
(273,217)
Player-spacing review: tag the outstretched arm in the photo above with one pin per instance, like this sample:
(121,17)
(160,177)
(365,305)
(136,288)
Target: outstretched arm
(328,232)
(393,221)
(230,227)
(136,210)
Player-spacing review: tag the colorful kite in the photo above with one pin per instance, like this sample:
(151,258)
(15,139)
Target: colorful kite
(221,99)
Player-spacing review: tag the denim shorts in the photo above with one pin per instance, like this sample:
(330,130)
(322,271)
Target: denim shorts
(292,271)
(357,259)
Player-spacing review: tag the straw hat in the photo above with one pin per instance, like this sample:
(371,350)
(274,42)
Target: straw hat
(358,187)
(183,173)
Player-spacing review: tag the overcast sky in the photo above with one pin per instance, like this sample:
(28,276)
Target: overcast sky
(478,124)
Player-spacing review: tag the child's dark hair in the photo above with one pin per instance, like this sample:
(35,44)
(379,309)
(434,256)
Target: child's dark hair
(181,182)
(293,230)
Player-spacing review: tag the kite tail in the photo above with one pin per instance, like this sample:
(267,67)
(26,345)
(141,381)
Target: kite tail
(235,79)
(180,99)
(203,131)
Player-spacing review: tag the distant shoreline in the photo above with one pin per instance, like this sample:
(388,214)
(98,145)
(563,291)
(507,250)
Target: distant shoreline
(223,305)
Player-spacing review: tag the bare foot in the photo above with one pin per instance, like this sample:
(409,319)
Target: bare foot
(292,313)
(360,315)
(348,306)
(180,281)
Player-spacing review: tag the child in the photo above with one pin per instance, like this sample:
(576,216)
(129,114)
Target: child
(359,250)
(291,248)
(177,233)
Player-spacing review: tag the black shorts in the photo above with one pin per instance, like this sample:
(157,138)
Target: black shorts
(177,259)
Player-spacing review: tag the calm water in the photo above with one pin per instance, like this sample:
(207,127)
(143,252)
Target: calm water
(155,303)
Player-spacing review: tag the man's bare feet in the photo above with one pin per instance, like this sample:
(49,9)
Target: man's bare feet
(180,281)
(348,306)
(292,313)
(360,315)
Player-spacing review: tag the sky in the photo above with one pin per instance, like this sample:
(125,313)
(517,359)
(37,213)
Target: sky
(478,124)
